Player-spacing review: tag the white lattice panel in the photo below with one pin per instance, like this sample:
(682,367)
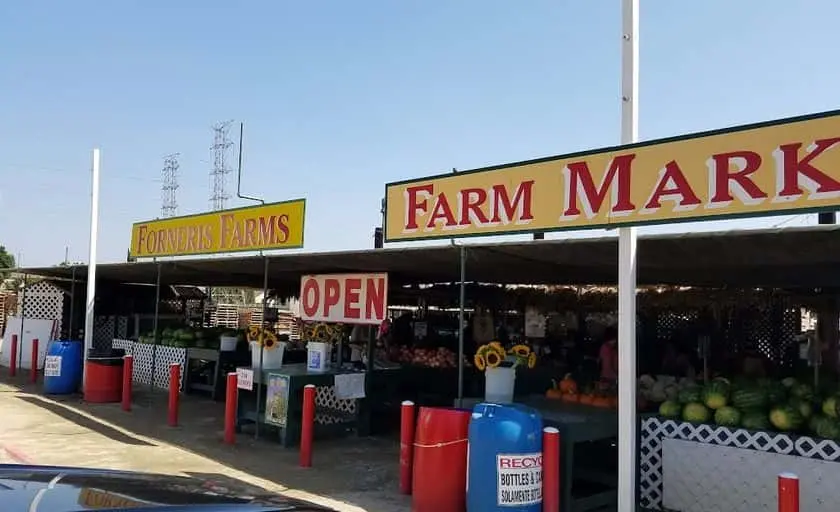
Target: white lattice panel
(701,477)
(148,360)
(326,401)
(103,331)
(652,474)
(44,300)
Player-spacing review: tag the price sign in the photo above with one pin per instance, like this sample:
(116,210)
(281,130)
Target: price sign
(52,366)
(519,478)
(245,379)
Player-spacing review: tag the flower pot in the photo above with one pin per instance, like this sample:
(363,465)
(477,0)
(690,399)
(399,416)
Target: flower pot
(498,385)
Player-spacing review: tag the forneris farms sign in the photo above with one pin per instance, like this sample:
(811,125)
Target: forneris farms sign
(781,167)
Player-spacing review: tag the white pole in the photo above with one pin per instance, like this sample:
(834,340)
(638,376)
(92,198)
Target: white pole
(91,277)
(627,450)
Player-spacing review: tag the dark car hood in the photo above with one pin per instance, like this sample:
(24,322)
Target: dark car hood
(65,489)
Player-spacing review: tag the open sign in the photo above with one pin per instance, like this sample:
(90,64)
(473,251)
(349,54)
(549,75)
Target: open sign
(344,298)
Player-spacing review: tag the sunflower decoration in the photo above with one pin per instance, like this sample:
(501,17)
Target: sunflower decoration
(490,355)
(253,333)
(523,355)
(268,340)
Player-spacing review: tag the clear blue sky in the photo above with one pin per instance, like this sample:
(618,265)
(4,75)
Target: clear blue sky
(341,97)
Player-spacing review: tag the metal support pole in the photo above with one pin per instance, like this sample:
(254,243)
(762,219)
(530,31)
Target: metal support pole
(260,369)
(72,304)
(22,316)
(462,294)
(90,299)
(627,442)
(155,327)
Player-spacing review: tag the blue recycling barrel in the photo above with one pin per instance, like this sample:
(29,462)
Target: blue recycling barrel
(63,367)
(504,470)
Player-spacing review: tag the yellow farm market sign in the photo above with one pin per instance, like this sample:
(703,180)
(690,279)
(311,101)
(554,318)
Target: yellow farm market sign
(254,228)
(780,167)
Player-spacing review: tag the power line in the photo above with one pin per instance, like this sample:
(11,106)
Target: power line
(169,186)
(219,174)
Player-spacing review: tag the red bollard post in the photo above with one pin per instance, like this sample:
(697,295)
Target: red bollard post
(551,469)
(406,445)
(174,393)
(127,380)
(230,408)
(33,367)
(13,355)
(307,424)
(788,492)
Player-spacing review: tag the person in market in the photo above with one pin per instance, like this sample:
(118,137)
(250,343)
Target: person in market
(608,356)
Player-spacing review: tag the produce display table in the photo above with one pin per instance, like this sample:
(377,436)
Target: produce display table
(283,389)
(588,451)
(206,369)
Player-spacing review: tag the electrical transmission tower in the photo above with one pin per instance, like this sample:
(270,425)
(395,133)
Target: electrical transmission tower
(169,186)
(218,175)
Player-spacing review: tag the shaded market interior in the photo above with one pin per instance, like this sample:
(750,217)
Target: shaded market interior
(718,264)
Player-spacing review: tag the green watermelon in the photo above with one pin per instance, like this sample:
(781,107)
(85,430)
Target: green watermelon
(670,409)
(728,416)
(776,393)
(692,393)
(786,418)
(695,412)
(828,428)
(755,420)
(803,407)
(814,423)
(744,399)
(803,391)
(716,395)
(829,407)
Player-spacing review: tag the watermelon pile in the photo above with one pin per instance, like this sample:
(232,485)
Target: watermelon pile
(785,406)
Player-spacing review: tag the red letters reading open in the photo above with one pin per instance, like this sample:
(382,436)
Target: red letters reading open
(344,298)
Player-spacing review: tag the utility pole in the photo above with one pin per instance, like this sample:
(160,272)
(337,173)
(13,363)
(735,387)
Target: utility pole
(169,186)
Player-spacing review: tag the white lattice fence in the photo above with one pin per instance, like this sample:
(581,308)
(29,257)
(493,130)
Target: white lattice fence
(43,300)
(329,409)
(148,359)
(734,468)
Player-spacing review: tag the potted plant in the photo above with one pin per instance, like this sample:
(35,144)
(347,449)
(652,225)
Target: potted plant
(499,367)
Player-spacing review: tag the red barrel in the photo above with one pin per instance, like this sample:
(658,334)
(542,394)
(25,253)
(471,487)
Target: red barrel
(439,479)
(103,380)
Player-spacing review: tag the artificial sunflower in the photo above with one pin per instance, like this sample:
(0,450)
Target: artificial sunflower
(269,341)
(521,350)
(493,355)
(479,361)
(497,345)
(253,333)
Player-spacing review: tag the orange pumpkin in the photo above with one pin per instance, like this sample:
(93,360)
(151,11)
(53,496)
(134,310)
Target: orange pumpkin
(586,399)
(601,401)
(571,398)
(568,385)
(554,393)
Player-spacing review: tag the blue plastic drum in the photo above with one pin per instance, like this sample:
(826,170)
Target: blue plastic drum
(63,367)
(504,469)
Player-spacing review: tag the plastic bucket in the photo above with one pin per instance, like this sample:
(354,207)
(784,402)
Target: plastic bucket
(498,385)
(272,359)
(439,477)
(227,343)
(317,356)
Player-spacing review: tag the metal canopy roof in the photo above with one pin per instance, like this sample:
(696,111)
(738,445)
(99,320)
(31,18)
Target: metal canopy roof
(791,257)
